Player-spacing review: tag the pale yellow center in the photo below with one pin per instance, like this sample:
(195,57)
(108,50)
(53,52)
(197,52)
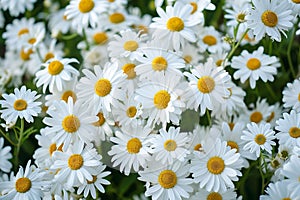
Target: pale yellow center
(260,139)
(233,145)
(130,45)
(271,117)
(269,18)
(188,59)
(256,117)
(31,41)
(93,180)
(55,67)
(67,94)
(48,56)
(20,105)
(116,18)
(53,148)
(294,132)
(75,161)
(131,111)
(210,40)
(71,123)
(214,196)
(197,147)
(102,87)
(23,185)
(161,99)
(101,120)
(25,55)
(86,6)
(170,145)
(167,179)
(128,69)
(100,38)
(253,64)
(206,84)
(23,31)
(215,165)
(195,7)
(134,145)
(159,63)
(175,24)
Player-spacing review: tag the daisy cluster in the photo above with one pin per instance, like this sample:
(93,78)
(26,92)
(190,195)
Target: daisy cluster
(192,104)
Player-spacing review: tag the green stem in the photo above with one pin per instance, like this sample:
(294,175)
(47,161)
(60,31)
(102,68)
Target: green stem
(40,55)
(261,159)
(7,138)
(208,117)
(271,91)
(85,40)
(291,40)
(18,147)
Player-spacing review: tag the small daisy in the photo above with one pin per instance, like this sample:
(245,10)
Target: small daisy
(96,55)
(28,184)
(292,173)
(77,165)
(16,7)
(167,182)
(288,129)
(260,112)
(58,23)
(271,18)
(5,155)
(216,167)
(169,146)
(131,149)
(291,95)
(258,137)
(255,65)
(33,39)
(103,127)
(97,183)
(191,54)
(203,194)
(175,26)
(198,136)
(84,13)
(96,37)
(69,122)
(21,104)
(55,73)
(200,5)
(236,14)
(277,191)
(101,89)
(208,85)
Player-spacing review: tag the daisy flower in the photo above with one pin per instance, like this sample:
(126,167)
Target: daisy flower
(84,13)
(97,183)
(5,155)
(169,146)
(103,127)
(32,39)
(260,112)
(55,73)
(167,182)
(131,149)
(27,184)
(199,6)
(255,65)
(158,62)
(291,95)
(77,165)
(96,55)
(291,172)
(16,7)
(58,23)
(198,136)
(271,18)
(160,100)
(258,137)
(229,194)
(288,129)
(191,54)
(208,86)
(277,191)
(96,37)
(101,89)
(216,167)
(236,13)
(21,104)
(175,26)
(69,122)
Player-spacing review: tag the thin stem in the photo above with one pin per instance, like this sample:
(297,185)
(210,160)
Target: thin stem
(85,40)
(261,159)
(7,138)
(40,55)
(289,53)
(208,117)
(18,147)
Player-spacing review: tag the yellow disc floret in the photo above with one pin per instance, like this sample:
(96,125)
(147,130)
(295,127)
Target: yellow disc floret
(55,67)
(170,145)
(269,18)
(130,45)
(159,63)
(175,24)
(86,6)
(116,18)
(102,87)
(23,185)
(75,161)
(134,145)
(128,69)
(167,179)
(253,64)
(71,123)
(206,84)
(161,99)
(210,40)
(215,165)
(260,139)
(20,105)
(294,132)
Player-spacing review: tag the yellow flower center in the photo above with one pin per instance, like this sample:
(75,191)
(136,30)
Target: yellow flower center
(134,145)
(170,145)
(128,69)
(101,120)
(116,18)
(53,148)
(256,117)
(271,117)
(215,165)
(67,94)
(219,62)
(233,145)
(167,179)
(71,123)
(23,31)
(31,41)
(75,161)
(187,59)
(287,198)
(25,55)
(161,99)
(130,45)
(100,38)
(206,84)
(111,1)
(102,87)
(269,18)
(131,111)
(214,196)
(294,132)
(55,67)
(296,1)
(175,24)
(48,56)
(20,105)
(86,6)
(299,97)
(210,40)
(260,139)
(159,63)
(253,64)
(197,147)
(195,7)
(93,180)
(241,17)
(23,185)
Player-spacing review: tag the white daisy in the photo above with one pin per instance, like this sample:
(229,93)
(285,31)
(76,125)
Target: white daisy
(169,146)
(28,184)
(208,85)
(115,4)
(69,122)
(96,37)
(16,7)
(5,155)
(191,54)
(258,137)
(55,73)
(291,172)
(20,104)
(167,182)
(288,129)
(34,37)
(236,14)
(103,127)
(198,136)
(85,12)
(101,89)
(199,6)
(229,194)
(255,65)
(77,165)
(175,26)
(96,55)
(58,23)
(271,18)
(277,191)
(131,149)
(216,167)
(291,95)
